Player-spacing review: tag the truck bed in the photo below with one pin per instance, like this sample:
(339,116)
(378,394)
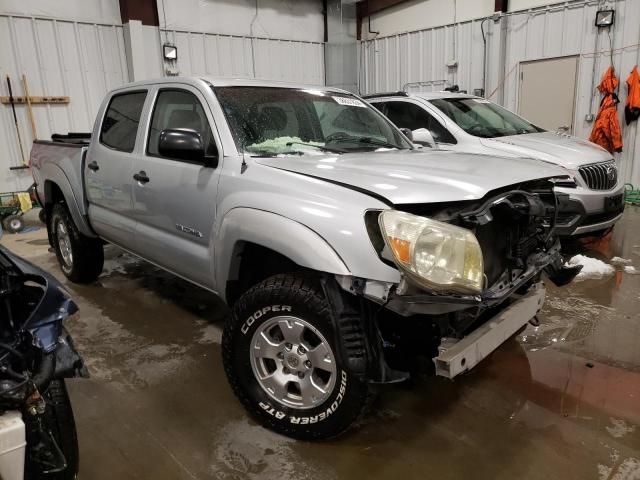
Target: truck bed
(61,161)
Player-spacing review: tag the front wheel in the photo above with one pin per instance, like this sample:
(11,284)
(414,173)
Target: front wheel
(81,258)
(58,419)
(280,358)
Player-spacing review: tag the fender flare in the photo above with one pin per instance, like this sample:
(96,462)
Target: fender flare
(55,176)
(292,239)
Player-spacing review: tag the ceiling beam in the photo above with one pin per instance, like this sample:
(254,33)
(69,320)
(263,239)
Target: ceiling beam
(366,8)
(369,7)
(144,10)
(501,6)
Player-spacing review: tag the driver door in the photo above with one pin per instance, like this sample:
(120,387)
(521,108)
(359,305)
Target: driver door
(175,203)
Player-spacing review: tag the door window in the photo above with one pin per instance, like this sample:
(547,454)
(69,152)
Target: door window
(120,124)
(413,117)
(179,109)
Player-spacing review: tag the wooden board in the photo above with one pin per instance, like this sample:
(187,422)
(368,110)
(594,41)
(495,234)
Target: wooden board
(35,100)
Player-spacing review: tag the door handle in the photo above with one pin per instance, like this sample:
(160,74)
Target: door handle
(141,177)
(93,166)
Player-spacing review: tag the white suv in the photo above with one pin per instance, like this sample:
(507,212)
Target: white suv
(465,123)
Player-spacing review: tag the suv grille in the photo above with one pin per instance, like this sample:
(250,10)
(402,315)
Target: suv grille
(600,176)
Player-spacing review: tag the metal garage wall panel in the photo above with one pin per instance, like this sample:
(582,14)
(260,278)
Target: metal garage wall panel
(81,60)
(389,63)
(246,57)
(386,64)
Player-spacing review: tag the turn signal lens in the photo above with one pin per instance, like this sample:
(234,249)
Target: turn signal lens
(437,255)
(401,249)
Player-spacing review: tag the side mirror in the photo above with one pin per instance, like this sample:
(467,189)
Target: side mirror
(407,133)
(184,144)
(422,136)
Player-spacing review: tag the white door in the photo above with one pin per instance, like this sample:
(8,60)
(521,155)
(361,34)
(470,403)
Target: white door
(548,92)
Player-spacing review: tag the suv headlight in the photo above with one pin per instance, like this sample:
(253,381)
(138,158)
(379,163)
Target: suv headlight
(437,255)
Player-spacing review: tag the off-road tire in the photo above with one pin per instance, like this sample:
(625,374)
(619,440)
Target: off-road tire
(13,223)
(58,418)
(303,294)
(88,253)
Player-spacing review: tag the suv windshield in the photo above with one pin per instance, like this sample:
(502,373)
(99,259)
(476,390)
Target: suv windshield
(481,118)
(276,121)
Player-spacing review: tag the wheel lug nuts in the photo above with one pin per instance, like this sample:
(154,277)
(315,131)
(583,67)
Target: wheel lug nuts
(285,370)
(300,375)
(301,350)
(280,355)
(307,364)
(288,346)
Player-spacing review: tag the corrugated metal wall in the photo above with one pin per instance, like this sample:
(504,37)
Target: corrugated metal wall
(85,60)
(264,58)
(81,60)
(387,64)
(568,29)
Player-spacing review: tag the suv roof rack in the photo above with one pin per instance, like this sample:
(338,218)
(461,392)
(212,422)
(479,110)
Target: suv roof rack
(387,94)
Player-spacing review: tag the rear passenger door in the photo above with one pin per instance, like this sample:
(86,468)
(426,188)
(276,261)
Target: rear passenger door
(176,206)
(405,114)
(108,168)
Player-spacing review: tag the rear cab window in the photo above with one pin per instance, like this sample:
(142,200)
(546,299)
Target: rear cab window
(121,120)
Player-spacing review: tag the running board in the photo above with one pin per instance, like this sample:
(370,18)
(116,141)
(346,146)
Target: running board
(458,356)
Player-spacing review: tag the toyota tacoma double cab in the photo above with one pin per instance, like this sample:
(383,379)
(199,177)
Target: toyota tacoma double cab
(348,256)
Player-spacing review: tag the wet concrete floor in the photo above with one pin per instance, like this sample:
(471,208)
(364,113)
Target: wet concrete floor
(561,400)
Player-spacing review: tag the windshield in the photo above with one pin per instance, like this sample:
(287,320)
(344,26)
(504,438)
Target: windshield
(481,118)
(276,121)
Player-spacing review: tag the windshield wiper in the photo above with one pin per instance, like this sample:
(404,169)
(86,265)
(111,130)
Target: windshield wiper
(319,147)
(377,142)
(343,137)
(265,154)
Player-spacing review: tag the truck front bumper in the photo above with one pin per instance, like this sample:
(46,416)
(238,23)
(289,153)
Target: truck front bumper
(460,355)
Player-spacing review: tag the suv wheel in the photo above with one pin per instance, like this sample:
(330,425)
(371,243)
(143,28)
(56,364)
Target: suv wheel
(280,358)
(81,258)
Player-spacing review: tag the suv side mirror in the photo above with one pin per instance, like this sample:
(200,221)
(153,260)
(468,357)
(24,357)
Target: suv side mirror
(422,136)
(184,144)
(407,133)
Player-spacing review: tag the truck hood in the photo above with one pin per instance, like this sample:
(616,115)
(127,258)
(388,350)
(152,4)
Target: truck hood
(403,177)
(564,150)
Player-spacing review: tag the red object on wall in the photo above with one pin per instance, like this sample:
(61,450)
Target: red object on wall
(632,108)
(606,130)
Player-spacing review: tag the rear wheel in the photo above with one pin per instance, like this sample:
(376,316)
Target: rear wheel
(280,358)
(13,223)
(81,258)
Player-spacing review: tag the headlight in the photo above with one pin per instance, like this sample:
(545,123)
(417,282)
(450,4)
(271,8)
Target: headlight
(437,255)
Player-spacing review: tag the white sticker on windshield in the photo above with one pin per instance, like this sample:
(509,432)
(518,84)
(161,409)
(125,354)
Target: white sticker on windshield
(351,102)
(481,100)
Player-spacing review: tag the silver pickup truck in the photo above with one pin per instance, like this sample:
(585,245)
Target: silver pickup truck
(346,254)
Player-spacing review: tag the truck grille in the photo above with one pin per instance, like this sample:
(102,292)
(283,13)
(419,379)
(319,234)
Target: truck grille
(600,176)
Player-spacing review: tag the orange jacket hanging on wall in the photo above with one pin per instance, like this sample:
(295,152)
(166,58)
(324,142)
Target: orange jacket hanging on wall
(632,108)
(606,131)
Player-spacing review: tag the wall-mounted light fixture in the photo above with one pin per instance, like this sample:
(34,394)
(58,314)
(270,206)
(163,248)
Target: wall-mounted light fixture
(170,52)
(604,18)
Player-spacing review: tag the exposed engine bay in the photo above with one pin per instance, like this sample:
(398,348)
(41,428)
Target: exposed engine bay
(35,351)
(515,229)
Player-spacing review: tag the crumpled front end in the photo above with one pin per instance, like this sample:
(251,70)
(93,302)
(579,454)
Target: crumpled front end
(456,328)
(33,308)
(515,230)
